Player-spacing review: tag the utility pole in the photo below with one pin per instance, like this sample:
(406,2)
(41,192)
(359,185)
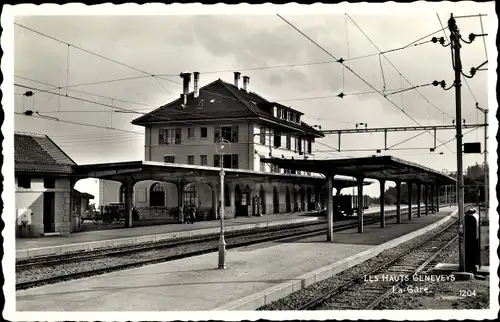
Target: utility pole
(486,190)
(457,66)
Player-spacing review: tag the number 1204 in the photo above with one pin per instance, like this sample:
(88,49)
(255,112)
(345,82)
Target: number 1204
(467,292)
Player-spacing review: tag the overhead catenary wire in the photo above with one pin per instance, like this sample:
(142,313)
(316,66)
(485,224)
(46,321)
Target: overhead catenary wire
(412,44)
(352,71)
(90,52)
(78,123)
(82,92)
(114,107)
(484,39)
(390,63)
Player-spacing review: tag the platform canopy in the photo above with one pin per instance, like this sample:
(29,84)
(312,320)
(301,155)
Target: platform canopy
(378,167)
(174,172)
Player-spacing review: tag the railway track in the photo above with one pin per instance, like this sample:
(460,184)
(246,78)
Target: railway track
(116,251)
(152,254)
(369,288)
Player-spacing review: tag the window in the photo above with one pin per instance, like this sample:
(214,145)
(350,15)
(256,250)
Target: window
(226,132)
(204,160)
(190,159)
(203,132)
(24,182)
(288,142)
(309,146)
(229,133)
(200,105)
(229,161)
(278,112)
(190,132)
(262,167)
(178,135)
(157,195)
(263,135)
(234,161)
(299,144)
(277,139)
(169,159)
(169,136)
(235,134)
(49,183)
(216,134)
(161,136)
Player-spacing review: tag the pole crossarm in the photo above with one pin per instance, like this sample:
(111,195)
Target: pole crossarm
(402,128)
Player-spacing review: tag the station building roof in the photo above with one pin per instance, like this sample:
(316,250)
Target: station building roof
(37,154)
(386,168)
(173,172)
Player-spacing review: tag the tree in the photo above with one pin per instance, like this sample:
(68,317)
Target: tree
(389,199)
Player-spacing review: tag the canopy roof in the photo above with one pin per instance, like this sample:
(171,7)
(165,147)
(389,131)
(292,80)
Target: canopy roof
(377,167)
(173,172)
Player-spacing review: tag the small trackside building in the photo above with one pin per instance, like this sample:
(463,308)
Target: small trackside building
(43,183)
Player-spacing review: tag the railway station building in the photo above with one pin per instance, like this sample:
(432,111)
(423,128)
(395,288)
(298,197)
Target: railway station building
(186,130)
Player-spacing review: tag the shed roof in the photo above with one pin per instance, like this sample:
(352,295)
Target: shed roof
(37,153)
(379,167)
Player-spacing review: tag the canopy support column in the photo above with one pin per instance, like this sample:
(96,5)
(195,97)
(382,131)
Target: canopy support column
(360,204)
(329,211)
(432,199)
(129,190)
(398,202)
(419,197)
(409,184)
(382,203)
(426,197)
(437,198)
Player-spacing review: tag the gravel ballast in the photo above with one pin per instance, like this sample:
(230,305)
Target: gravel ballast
(301,297)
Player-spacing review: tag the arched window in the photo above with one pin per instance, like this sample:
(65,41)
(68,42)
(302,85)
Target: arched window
(227,196)
(157,195)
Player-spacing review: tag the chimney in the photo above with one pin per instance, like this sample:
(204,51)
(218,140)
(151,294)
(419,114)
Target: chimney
(196,80)
(237,79)
(186,78)
(246,81)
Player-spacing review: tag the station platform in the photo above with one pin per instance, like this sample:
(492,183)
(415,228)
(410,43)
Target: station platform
(84,241)
(255,275)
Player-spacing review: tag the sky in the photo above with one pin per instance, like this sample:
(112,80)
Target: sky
(258,46)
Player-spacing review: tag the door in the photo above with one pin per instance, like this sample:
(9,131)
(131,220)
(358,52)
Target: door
(237,201)
(276,201)
(287,200)
(262,200)
(48,212)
